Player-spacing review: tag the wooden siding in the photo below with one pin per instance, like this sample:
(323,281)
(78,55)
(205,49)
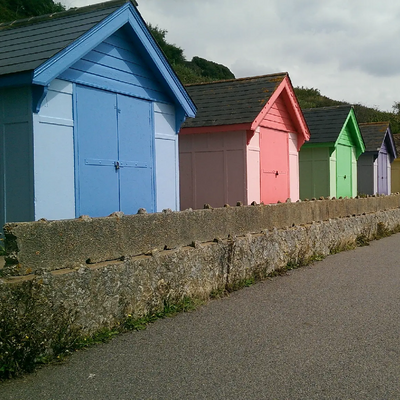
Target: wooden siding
(366,174)
(16,155)
(354,186)
(274,166)
(117,65)
(54,154)
(253,168)
(344,171)
(114,137)
(278,117)
(294,183)
(346,154)
(332,173)
(167,157)
(345,137)
(389,174)
(395,176)
(314,172)
(212,169)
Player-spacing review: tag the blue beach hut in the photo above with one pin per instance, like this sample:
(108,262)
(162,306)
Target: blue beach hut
(89,115)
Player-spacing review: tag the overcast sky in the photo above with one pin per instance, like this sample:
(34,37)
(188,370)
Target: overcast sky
(348,49)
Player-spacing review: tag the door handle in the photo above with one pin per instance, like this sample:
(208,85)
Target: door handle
(116,165)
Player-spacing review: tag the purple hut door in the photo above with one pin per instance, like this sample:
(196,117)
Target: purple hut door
(382,171)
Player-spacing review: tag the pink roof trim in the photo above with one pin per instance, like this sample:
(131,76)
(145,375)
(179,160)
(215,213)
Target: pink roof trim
(293,108)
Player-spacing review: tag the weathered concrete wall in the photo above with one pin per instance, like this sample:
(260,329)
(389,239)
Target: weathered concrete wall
(51,245)
(92,296)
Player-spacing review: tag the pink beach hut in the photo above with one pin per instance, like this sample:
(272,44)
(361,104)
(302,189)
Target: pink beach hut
(243,144)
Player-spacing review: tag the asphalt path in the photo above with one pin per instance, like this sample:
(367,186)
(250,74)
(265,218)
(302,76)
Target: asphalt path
(327,331)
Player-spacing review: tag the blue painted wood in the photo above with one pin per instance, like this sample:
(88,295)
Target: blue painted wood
(118,66)
(115,142)
(167,157)
(136,146)
(104,51)
(96,136)
(52,68)
(54,154)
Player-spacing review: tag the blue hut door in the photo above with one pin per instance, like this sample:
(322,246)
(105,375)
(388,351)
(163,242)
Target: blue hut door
(382,171)
(114,144)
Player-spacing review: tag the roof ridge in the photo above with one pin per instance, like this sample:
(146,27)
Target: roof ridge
(236,79)
(374,123)
(328,107)
(71,11)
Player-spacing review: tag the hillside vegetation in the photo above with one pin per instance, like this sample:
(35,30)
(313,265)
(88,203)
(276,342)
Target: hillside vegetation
(197,70)
(200,70)
(11,10)
(312,98)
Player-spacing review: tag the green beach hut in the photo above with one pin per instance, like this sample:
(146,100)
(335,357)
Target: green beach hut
(328,162)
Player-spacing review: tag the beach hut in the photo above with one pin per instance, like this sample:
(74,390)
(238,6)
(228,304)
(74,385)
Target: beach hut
(374,165)
(328,162)
(243,144)
(89,115)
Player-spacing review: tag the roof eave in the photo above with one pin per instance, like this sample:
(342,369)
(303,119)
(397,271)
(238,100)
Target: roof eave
(390,141)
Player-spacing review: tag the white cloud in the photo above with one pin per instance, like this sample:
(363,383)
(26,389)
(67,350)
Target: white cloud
(347,49)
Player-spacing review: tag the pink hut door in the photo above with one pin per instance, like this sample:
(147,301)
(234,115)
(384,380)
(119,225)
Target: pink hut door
(274,164)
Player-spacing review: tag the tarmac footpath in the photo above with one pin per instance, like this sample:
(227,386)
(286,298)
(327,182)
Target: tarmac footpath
(327,331)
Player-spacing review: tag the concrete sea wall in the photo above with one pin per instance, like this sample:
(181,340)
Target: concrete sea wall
(86,274)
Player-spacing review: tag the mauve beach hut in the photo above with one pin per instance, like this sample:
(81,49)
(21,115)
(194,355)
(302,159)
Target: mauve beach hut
(89,115)
(328,162)
(243,144)
(374,165)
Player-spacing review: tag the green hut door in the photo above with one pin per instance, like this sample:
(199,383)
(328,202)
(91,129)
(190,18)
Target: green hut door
(343,171)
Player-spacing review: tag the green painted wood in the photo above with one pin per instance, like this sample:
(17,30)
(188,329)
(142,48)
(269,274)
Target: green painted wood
(330,169)
(345,137)
(314,172)
(343,171)
(351,135)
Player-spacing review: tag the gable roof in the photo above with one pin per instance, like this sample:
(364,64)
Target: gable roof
(243,102)
(375,133)
(234,101)
(326,123)
(37,50)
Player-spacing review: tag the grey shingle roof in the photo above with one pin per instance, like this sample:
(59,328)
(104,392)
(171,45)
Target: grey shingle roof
(373,134)
(28,43)
(233,101)
(326,123)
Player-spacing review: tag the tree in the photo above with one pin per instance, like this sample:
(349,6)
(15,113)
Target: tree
(11,10)
(173,53)
(196,71)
